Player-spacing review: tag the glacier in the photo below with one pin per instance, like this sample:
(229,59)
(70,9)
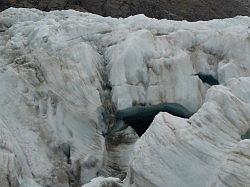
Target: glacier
(65,74)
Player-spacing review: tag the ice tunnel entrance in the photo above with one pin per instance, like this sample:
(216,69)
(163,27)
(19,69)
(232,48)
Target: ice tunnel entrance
(207,78)
(140,117)
(246,136)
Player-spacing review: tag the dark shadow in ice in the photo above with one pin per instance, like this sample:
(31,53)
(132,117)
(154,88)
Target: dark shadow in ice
(140,117)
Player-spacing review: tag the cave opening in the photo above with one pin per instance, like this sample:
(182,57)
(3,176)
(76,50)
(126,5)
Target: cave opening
(141,117)
(207,78)
(246,135)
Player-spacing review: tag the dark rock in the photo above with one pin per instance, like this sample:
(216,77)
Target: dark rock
(190,10)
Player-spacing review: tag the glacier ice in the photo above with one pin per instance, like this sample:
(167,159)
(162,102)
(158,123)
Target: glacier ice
(64,74)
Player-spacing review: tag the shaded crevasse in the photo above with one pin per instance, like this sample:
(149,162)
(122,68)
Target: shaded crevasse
(65,74)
